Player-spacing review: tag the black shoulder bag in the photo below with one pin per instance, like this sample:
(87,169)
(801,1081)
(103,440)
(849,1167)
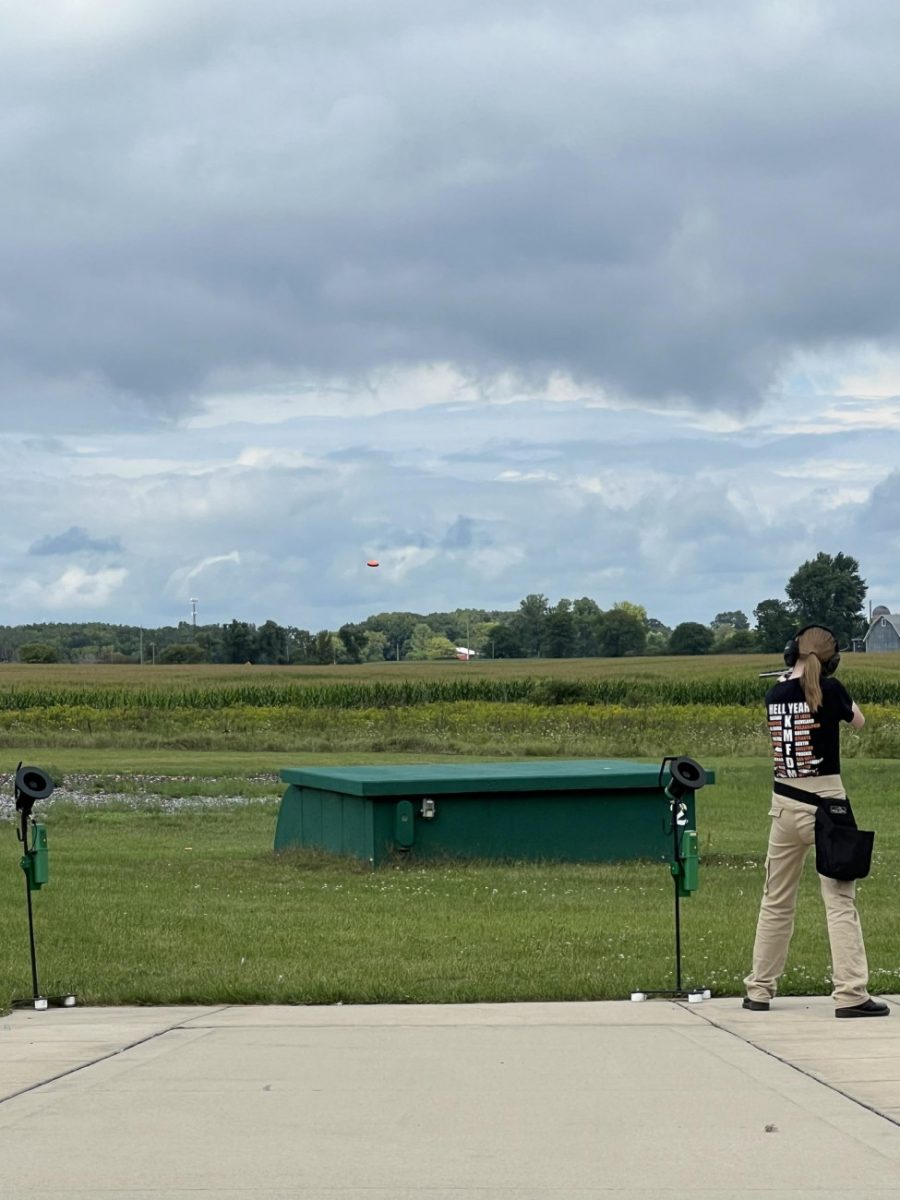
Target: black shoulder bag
(842,850)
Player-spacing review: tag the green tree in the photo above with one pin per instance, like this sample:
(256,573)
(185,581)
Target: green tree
(828,590)
(237,642)
(585,617)
(418,643)
(735,619)
(323,649)
(636,610)
(438,647)
(690,637)
(397,628)
(657,642)
(269,644)
(774,624)
(353,638)
(559,632)
(300,645)
(480,635)
(622,631)
(459,626)
(504,642)
(529,623)
(737,641)
(658,636)
(38,652)
(209,639)
(182,652)
(375,646)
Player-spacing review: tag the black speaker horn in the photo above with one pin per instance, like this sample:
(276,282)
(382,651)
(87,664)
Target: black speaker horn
(31,784)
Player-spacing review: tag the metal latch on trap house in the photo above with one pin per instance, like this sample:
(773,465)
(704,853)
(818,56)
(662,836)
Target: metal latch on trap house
(404,820)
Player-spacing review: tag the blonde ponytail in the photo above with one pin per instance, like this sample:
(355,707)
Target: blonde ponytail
(816,646)
(811,682)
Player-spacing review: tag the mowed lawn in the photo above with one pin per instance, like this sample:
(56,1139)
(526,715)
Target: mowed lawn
(151,906)
(158,897)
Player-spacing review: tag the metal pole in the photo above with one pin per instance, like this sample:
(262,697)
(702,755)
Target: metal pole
(34,973)
(677,840)
(677,938)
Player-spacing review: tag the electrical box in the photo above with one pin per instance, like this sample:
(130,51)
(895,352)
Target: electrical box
(688,870)
(36,859)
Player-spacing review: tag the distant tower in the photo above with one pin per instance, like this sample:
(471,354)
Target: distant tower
(194,611)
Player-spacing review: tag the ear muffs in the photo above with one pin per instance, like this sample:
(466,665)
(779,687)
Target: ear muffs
(792,650)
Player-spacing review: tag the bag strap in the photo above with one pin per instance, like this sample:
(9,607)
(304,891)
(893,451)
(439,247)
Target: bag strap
(784,789)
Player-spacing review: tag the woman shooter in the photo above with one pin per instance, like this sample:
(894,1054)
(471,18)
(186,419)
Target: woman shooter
(805,709)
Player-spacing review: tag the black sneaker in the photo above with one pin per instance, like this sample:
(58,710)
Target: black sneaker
(869,1008)
(755,1005)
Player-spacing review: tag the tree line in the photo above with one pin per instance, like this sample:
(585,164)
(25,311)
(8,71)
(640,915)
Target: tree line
(827,589)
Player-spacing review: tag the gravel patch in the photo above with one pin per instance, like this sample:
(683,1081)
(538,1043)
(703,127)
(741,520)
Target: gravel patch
(86,792)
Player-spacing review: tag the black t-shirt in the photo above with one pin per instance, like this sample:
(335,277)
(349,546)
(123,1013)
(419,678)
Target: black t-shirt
(807,744)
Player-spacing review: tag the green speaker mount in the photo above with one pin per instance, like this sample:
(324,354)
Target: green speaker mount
(33,784)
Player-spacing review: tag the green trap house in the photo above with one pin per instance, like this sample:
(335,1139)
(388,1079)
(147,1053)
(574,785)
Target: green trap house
(585,810)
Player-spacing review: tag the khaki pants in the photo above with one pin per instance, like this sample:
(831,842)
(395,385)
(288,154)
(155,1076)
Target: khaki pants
(791,836)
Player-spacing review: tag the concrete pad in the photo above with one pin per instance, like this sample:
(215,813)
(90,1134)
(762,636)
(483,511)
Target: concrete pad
(587,1012)
(848,1070)
(858,1058)
(20,1076)
(476,1102)
(39,1046)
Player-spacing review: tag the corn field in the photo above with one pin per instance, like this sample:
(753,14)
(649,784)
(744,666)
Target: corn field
(576,708)
(632,683)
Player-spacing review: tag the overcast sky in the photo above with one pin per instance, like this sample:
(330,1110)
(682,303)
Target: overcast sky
(595,298)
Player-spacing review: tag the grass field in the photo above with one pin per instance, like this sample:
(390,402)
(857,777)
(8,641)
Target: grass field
(460,727)
(164,892)
(154,907)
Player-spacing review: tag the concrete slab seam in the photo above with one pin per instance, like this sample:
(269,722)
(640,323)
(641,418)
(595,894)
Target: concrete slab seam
(403,1021)
(787,1062)
(34,1087)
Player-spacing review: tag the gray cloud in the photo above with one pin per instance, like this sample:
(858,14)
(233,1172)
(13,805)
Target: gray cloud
(270,276)
(660,199)
(649,509)
(75,540)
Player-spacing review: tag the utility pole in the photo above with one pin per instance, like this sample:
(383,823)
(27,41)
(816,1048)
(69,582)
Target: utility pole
(141,646)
